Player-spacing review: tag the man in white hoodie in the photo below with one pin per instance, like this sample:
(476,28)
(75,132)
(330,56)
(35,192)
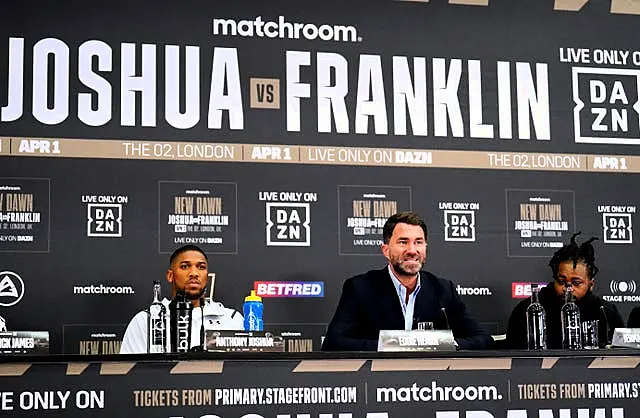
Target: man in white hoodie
(188,272)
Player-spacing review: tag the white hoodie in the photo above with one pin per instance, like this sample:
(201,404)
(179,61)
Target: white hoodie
(216,316)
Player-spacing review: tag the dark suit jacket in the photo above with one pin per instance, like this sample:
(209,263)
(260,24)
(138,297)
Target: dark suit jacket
(370,303)
(634,318)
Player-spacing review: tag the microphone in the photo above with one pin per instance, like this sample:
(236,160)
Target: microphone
(606,323)
(446,318)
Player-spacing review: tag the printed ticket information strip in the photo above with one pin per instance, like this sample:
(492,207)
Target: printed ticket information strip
(305,154)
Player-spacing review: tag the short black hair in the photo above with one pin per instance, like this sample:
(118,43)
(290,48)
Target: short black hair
(410,218)
(583,253)
(184,249)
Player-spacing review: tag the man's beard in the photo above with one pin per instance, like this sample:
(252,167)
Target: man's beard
(194,295)
(396,263)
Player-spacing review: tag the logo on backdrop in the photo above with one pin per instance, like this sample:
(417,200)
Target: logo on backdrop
(607,100)
(458,84)
(607,105)
(538,221)
(204,214)
(459,220)
(104,215)
(281,28)
(289,289)
(24,215)
(102,289)
(623,291)
(473,291)
(288,218)
(617,223)
(522,290)
(362,213)
(11,288)
(86,339)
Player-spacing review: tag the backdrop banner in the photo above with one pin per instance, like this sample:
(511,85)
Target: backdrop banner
(280,136)
(590,387)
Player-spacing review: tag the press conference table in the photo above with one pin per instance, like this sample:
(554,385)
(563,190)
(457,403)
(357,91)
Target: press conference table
(481,384)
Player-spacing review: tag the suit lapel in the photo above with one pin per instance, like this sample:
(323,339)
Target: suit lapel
(388,302)
(427,307)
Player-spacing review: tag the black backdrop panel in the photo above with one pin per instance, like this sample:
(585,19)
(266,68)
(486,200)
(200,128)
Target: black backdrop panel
(285,131)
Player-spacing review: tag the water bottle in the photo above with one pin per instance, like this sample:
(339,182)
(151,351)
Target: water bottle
(157,338)
(180,310)
(571,336)
(252,310)
(536,325)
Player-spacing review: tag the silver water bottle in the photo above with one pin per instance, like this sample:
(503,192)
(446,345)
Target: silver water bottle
(571,335)
(157,336)
(536,322)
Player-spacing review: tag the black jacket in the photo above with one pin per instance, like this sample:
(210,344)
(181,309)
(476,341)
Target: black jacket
(634,318)
(591,308)
(369,303)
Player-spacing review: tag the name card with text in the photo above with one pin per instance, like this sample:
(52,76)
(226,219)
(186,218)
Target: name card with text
(243,341)
(414,340)
(24,342)
(626,337)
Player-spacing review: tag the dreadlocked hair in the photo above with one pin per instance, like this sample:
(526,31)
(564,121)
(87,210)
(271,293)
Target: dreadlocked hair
(583,253)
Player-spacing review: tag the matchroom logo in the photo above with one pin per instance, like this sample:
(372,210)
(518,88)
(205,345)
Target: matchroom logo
(283,29)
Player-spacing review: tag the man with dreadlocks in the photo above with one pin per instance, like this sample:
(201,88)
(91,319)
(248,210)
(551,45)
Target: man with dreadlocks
(572,264)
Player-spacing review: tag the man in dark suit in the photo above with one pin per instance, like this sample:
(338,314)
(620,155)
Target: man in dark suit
(634,318)
(400,296)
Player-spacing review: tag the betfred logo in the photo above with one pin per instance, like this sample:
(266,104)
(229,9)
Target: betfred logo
(289,289)
(523,290)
